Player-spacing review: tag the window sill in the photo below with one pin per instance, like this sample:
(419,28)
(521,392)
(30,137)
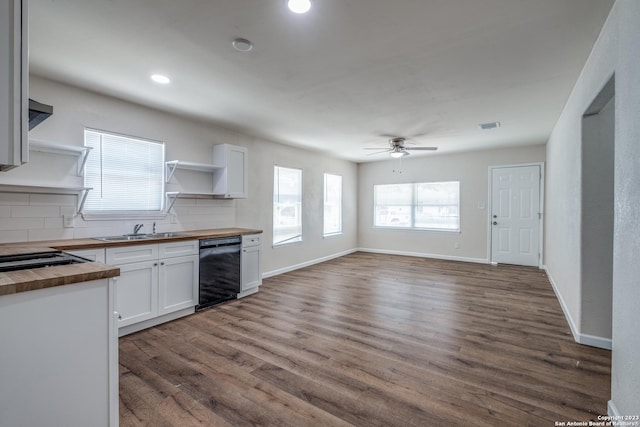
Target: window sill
(439,230)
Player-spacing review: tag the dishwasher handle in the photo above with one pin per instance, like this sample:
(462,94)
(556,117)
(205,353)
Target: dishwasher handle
(216,243)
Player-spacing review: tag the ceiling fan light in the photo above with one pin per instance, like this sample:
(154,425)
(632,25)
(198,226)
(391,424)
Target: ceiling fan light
(398,153)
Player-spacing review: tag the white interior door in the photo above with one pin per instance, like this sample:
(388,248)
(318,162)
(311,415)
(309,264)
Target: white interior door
(515,215)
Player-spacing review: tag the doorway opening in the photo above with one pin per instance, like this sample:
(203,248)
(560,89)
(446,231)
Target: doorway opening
(597,217)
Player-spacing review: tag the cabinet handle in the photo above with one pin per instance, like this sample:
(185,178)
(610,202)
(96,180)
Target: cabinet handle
(155,264)
(162,263)
(119,316)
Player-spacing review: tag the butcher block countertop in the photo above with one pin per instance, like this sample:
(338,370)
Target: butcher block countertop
(12,282)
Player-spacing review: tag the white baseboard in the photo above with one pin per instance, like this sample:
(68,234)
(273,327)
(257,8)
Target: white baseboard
(306,263)
(578,337)
(425,255)
(612,411)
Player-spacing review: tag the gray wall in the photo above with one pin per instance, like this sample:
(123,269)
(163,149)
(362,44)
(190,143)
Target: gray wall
(471,169)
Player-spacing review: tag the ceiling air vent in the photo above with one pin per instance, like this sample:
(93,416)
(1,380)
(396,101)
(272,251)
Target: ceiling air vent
(489,126)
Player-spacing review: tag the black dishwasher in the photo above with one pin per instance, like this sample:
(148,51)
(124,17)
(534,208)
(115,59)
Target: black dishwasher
(219,270)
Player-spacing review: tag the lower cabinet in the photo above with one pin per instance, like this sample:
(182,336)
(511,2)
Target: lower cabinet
(250,265)
(59,356)
(156,282)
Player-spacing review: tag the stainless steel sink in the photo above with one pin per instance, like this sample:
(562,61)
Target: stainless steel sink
(129,237)
(122,238)
(165,235)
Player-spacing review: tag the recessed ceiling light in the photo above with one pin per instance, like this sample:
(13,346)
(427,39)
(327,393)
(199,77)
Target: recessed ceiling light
(242,45)
(299,6)
(159,78)
(489,126)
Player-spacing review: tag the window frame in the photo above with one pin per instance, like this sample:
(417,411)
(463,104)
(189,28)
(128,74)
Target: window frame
(413,208)
(300,204)
(160,213)
(324,210)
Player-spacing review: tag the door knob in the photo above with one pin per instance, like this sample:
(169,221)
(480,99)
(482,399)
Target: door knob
(495,222)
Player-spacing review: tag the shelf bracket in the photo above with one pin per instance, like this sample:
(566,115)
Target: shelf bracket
(82,160)
(171,198)
(82,198)
(170,168)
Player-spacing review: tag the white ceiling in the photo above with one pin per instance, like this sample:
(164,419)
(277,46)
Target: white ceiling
(347,75)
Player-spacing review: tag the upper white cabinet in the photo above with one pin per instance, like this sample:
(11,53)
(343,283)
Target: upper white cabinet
(231,181)
(14,78)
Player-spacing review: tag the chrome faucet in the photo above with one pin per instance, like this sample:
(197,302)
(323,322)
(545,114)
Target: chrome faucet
(154,227)
(137,228)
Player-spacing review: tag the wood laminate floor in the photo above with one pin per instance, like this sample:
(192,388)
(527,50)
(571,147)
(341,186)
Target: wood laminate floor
(370,340)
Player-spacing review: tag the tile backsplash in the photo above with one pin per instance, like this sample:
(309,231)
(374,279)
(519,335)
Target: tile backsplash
(34,217)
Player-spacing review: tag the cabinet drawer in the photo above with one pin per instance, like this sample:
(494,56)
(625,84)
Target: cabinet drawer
(184,248)
(251,240)
(128,254)
(92,254)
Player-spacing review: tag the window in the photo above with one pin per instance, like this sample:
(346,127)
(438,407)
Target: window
(332,204)
(287,205)
(126,174)
(427,205)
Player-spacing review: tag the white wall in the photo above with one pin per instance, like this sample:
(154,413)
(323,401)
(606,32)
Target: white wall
(32,217)
(625,387)
(615,51)
(471,169)
(563,212)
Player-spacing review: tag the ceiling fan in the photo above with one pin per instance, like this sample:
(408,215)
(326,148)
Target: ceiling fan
(398,148)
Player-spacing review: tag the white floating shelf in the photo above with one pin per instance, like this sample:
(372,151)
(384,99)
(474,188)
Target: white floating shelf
(70,150)
(175,195)
(81,192)
(172,165)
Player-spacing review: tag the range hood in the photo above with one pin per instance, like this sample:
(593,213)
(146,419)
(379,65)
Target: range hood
(38,113)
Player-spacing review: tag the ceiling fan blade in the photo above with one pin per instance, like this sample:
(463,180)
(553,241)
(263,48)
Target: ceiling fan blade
(378,152)
(421,148)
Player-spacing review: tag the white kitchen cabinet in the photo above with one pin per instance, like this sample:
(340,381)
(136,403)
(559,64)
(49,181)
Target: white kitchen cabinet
(137,292)
(59,356)
(251,265)
(14,80)
(178,284)
(158,282)
(231,181)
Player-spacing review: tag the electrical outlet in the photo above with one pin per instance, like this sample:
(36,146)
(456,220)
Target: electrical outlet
(68,221)
(173,218)
(456,245)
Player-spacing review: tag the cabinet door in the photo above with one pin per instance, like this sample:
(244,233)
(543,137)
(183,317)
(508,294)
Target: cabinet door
(251,275)
(231,181)
(137,292)
(14,149)
(237,172)
(178,283)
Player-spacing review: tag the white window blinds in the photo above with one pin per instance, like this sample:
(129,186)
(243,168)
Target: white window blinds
(126,174)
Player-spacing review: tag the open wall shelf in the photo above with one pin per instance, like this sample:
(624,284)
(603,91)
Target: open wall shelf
(81,153)
(81,192)
(172,165)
